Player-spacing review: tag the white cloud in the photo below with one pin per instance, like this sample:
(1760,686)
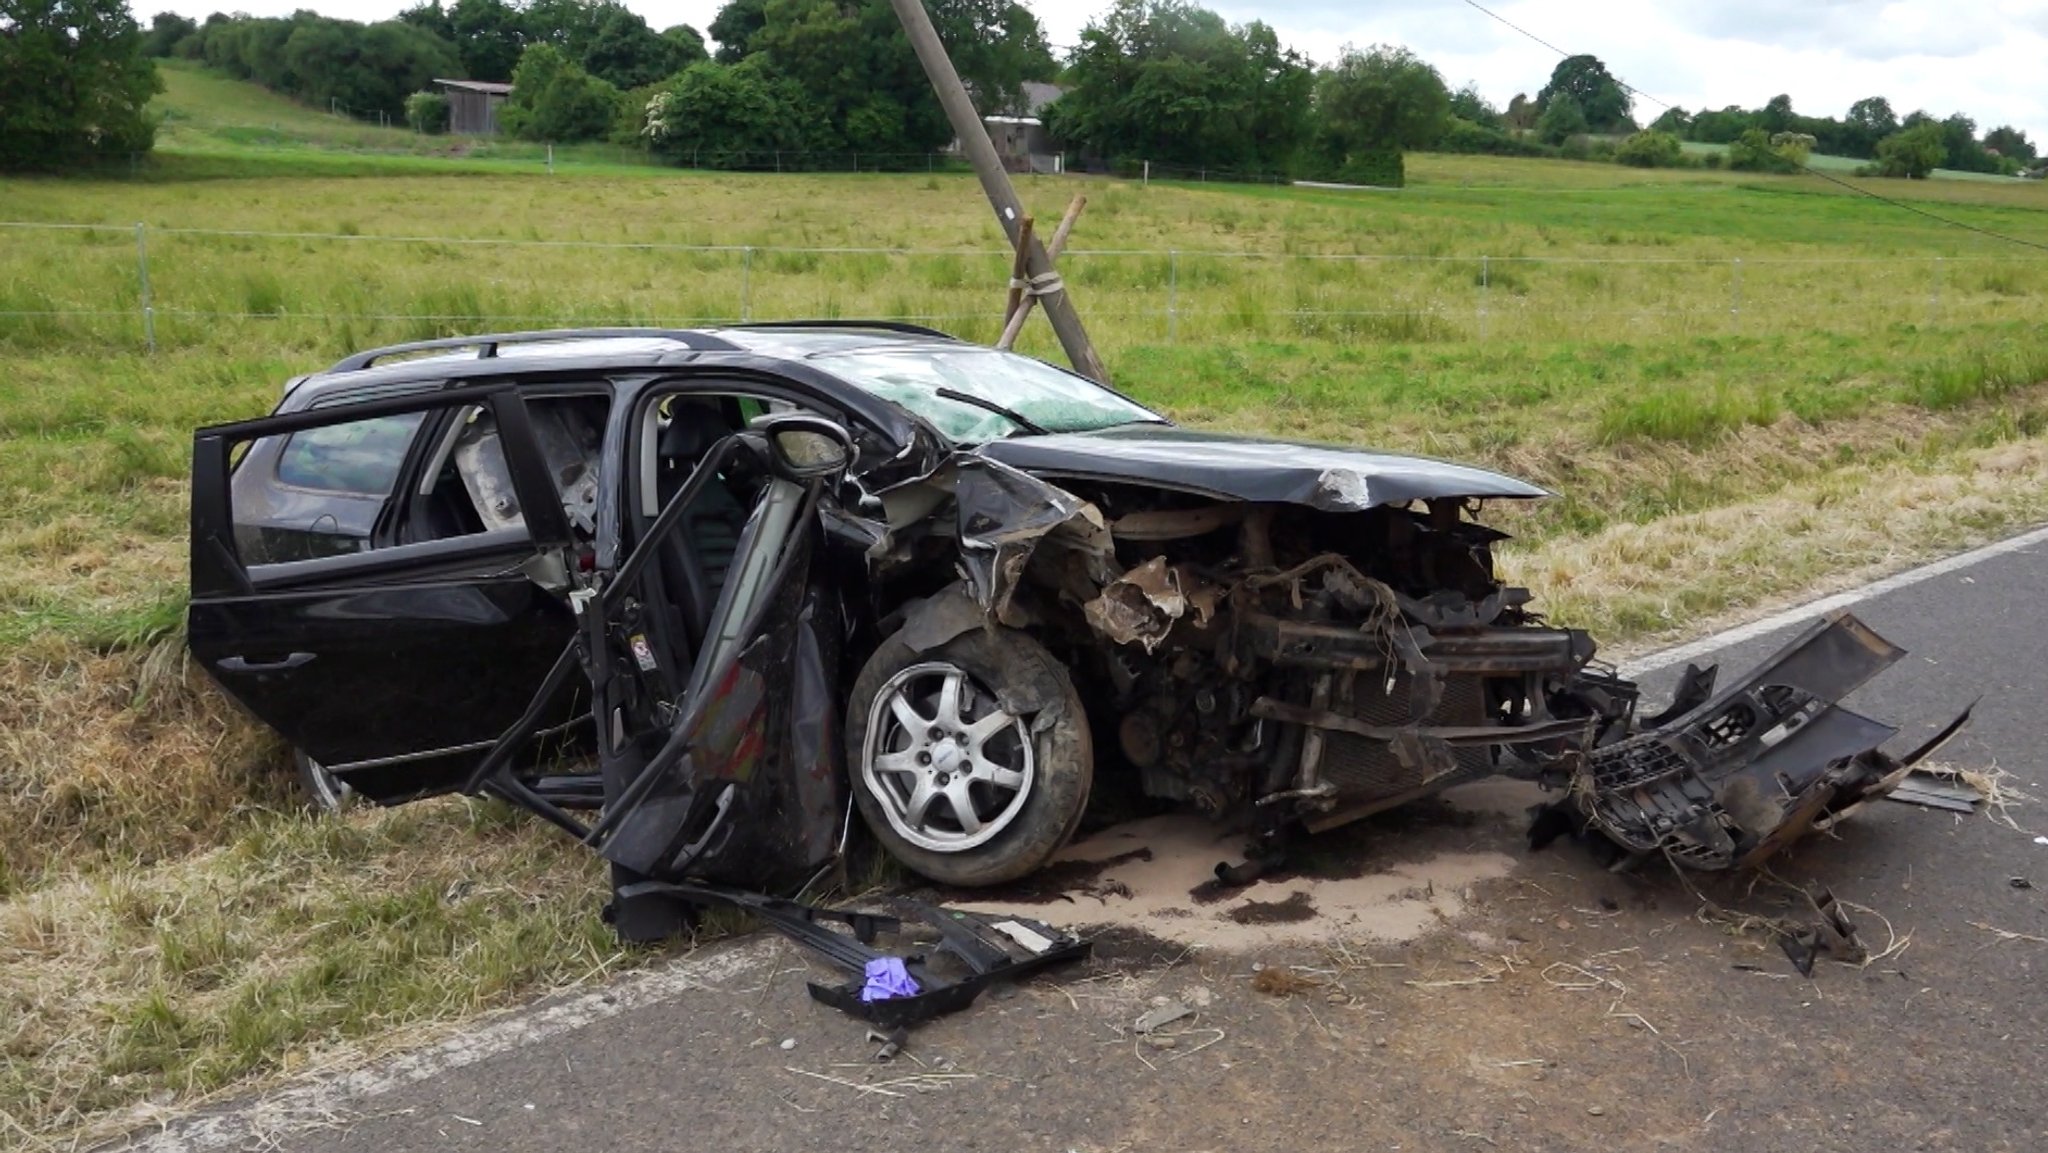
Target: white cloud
(1979,57)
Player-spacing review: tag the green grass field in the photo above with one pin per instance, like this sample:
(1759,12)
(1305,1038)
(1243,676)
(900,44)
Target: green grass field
(1864,388)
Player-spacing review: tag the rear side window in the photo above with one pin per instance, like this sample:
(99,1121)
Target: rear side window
(361,457)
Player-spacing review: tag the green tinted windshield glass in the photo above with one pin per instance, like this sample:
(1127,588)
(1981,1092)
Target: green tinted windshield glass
(1051,398)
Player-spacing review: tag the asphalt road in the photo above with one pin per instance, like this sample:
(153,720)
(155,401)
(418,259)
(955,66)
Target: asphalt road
(1564,1008)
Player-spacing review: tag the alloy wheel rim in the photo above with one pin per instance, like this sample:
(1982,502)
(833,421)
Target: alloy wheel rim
(951,766)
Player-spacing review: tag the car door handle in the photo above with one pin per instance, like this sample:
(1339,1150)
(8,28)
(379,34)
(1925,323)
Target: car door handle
(245,665)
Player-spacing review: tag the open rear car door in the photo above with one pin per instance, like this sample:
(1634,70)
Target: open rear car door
(331,580)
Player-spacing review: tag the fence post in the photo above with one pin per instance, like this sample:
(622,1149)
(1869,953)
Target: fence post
(747,284)
(1485,275)
(1146,181)
(1735,290)
(1172,295)
(142,273)
(551,159)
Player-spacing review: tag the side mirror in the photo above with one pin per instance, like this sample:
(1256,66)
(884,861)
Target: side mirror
(803,447)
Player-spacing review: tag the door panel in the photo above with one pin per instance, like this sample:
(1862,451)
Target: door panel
(392,666)
(381,672)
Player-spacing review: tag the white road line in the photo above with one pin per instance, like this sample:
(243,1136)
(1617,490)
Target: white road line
(1705,646)
(324,1102)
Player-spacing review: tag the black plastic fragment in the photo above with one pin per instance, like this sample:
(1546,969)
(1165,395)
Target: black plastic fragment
(971,939)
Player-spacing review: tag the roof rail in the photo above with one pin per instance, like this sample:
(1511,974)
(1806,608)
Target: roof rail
(487,344)
(854,325)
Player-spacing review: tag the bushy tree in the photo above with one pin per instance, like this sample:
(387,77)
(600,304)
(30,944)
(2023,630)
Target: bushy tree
(687,44)
(361,68)
(1874,115)
(427,112)
(996,45)
(1752,152)
(1960,149)
(1385,98)
(1522,112)
(365,68)
(429,16)
(1911,153)
(1165,80)
(554,99)
(1562,119)
(1676,121)
(1468,105)
(74,84)
(734,27)
(1650,149)
(166,29)
(1776,115)
(489,35)
(1598,94)
(2011,143)
(1722,126)
(723,115)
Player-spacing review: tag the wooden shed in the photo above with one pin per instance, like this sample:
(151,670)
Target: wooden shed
(473,105)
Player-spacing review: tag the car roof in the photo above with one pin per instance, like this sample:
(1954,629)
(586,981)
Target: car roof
(602,349)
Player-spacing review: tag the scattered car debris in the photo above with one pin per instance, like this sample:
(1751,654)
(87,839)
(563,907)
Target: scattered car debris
(892,1043)
(1160,1015)
(728,586)
(2019,882)
(1937,792)
(896,990)
(1830,932)
(1282,981)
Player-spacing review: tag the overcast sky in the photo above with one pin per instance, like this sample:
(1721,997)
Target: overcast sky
(1984,58)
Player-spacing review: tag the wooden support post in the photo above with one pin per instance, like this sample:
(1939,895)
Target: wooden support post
(981,152)
(1014,323)
(1013,304)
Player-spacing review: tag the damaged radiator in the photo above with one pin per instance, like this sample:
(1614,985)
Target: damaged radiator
(1361,767)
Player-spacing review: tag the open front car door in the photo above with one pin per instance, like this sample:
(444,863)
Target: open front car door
(718,764)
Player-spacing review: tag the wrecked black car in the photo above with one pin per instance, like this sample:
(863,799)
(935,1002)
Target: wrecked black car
(697,596)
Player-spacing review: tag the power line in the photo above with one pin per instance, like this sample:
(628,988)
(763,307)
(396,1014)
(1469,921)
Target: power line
(1806,168)
(1633,91)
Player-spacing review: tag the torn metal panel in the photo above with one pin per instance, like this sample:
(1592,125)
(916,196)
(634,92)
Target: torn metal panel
(1141,606)
(1003,515)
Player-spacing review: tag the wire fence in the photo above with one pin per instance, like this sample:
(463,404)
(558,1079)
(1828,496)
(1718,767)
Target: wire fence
(157,286)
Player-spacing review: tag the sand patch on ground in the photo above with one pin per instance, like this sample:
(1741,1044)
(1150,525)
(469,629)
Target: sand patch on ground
(1156,870)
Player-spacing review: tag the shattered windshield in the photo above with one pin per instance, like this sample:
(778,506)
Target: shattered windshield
(1050,398)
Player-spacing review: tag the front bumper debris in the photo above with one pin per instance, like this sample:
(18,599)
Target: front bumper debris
(1737,778)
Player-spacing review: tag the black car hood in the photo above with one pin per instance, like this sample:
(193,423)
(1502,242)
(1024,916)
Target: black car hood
(1241,468)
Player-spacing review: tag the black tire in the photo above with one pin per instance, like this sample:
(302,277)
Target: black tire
(1013,675)
(324,793)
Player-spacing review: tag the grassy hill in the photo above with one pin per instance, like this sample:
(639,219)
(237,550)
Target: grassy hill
(215,117)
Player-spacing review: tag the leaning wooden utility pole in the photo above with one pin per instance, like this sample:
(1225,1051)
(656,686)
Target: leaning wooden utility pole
(981,152)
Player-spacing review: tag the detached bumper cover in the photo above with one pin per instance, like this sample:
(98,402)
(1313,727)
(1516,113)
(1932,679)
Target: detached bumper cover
(1759,764)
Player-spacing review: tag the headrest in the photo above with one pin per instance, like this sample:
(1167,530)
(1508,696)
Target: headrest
(693,427)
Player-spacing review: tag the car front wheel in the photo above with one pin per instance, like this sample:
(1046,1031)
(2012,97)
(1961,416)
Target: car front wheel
(971,762)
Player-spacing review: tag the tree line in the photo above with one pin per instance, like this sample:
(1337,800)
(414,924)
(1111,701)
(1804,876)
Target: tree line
(1162,80)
